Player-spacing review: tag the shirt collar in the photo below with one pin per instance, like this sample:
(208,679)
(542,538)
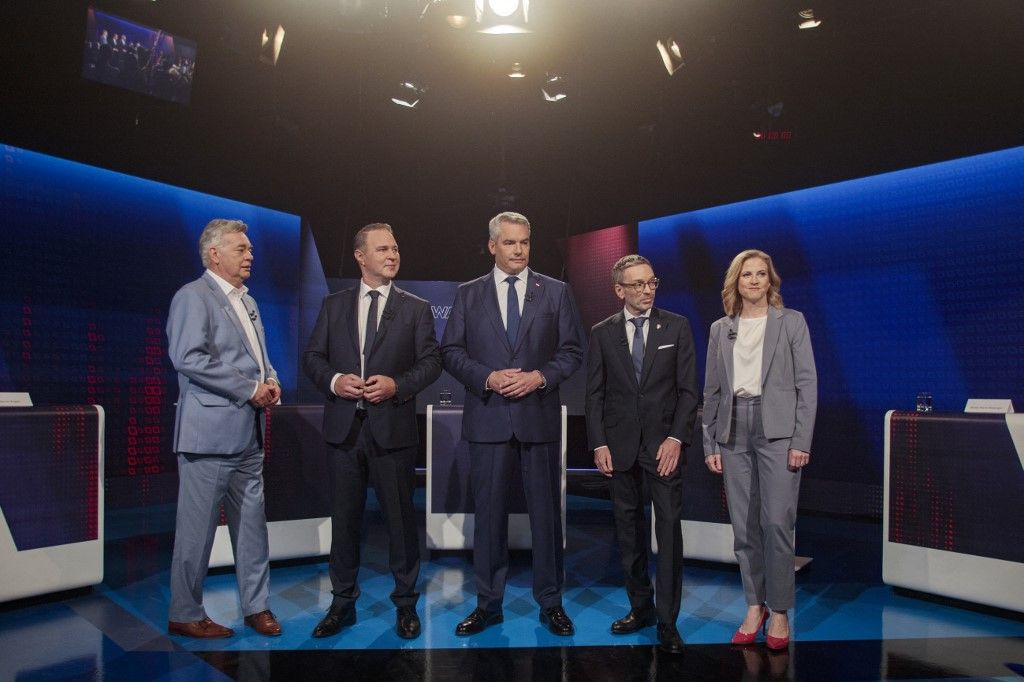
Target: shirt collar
(227,287)
(364,289)
(630,316)
(500,275)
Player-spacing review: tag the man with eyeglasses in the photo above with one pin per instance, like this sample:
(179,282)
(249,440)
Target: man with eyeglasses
(641,408)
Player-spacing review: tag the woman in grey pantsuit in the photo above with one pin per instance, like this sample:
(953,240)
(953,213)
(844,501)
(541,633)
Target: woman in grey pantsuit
(760,398)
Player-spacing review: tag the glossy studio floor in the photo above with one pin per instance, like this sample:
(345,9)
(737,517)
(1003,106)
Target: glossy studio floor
(847,624)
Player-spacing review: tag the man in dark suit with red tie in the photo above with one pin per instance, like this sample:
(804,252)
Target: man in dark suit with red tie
(371,351)
(512,337)
(641,408)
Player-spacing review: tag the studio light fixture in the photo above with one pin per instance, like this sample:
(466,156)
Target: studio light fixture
(807,19)
(270,45)
(498,17)
(517,71)
(457,13)
(554,88)
(408,94)
(671,55)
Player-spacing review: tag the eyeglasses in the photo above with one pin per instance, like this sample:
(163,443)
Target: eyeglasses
(638,287)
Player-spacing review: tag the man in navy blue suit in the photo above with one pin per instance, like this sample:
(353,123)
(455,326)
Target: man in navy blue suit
(512,337)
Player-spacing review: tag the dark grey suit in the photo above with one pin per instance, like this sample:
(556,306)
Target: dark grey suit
(378,443)
(633,419)
(754,438)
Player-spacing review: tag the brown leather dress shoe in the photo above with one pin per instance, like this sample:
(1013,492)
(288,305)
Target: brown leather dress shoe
(264,623)
(200,629)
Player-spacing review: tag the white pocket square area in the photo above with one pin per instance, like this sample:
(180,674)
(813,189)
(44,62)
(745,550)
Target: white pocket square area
(667,345)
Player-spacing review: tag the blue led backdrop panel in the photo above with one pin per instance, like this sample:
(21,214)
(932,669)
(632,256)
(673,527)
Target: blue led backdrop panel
(910,281)
(90,260)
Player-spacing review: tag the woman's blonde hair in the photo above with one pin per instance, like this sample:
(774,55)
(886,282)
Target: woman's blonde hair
(731,301)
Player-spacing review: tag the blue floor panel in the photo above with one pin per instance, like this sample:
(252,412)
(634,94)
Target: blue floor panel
(847,624)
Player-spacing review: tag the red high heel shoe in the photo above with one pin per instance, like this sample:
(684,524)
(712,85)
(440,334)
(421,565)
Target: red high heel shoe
(743,638)
(776,643)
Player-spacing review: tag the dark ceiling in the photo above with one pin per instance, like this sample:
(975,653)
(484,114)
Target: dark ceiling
(878,86)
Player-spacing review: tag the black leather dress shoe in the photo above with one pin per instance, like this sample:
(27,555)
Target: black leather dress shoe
(635,620)
(478,621)
(669,640)
(557,621)
(334,621)
(407,624)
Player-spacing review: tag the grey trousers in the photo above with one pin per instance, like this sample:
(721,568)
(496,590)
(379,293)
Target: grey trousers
(204,482)
(762,495)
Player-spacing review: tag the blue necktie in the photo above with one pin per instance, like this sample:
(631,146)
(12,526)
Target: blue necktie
(371,329)
(512,326)
(638,345)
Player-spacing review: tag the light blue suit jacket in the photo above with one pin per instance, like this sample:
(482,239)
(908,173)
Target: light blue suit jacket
(789,381)
(217,369)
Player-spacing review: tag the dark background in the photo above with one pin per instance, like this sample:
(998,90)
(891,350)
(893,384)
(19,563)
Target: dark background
(878,86)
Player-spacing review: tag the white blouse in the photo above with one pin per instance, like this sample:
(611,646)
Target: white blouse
(746,357)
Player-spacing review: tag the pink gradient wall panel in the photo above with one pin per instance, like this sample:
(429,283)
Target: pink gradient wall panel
(589,259)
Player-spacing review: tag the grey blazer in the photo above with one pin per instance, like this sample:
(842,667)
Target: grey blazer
(217,369)
(789,381)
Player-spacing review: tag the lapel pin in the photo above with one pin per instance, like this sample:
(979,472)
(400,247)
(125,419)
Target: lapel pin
(657,326)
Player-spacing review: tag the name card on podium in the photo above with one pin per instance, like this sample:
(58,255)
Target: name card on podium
(989,406)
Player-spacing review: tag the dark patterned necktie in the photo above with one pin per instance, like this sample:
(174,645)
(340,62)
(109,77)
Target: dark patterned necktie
(371,329)
(512,326)
(638,345)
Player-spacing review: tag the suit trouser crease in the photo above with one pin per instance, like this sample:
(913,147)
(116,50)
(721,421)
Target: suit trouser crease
(762,495)
(204,483)
(491,467)
(631,533)
(353,465)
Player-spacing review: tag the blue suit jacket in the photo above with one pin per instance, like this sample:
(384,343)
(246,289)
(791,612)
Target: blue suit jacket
(217,370)
(475,344)
(405,350)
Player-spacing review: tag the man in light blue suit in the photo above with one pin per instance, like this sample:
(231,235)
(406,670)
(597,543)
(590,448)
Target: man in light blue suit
(225,380)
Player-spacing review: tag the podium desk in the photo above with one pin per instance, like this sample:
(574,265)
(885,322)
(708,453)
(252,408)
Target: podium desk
(953,505)
(51,499)
(296,487)
(449,499)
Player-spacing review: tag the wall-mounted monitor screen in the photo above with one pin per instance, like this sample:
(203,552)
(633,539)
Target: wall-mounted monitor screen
(128,55)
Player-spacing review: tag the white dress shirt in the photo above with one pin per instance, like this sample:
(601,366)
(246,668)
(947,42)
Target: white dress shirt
(502,286)
(361,312)
(631,328)
(235,295)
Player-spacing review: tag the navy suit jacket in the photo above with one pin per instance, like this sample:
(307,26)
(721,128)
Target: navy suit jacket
(623,414)
(217,369)
(405,350)
(475,344)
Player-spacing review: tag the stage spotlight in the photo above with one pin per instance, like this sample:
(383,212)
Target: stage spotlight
(408,94)
(497,17)
(458,13)
(807,19)
(554,88)
(671,55)
(517,71)
(270,45)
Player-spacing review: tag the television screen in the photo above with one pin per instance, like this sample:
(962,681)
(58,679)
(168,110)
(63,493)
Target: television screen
(122,53)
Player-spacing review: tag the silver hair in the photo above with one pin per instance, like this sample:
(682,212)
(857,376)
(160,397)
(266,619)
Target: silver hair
(214,232)
(494,227)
